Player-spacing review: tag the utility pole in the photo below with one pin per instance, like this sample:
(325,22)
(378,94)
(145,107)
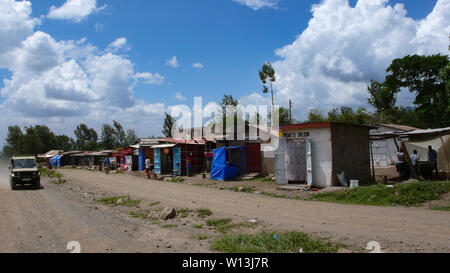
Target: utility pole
(290,111)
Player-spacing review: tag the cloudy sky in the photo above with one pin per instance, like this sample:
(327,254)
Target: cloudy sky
(92,61)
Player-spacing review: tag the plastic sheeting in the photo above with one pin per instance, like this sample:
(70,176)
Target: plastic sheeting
(220,170)
(442,147)
(55,161)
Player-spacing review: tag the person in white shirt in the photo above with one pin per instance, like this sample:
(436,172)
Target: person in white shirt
(414,161)
(148,164)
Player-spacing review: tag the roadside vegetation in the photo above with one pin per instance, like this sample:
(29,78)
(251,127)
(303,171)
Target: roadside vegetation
(204,212)
(119,201)
(407,194)
(271,242)
(224,225)
(54,176)
(169,226)
(50,173)
(442,208)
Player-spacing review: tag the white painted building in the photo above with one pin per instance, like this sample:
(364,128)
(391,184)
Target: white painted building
(329,149)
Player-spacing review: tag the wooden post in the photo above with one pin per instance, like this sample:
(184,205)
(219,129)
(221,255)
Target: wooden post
(408,158)
(373,163)
(448,162)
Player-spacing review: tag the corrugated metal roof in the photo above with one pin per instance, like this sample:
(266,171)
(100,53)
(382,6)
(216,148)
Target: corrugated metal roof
(404,128)
(442,131)
(306,126)
(320,125)
(161,146)
(71,153)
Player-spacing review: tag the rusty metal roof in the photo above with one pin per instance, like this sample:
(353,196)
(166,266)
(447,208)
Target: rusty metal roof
(404,128)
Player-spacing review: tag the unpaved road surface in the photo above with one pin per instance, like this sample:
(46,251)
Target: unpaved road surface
(45,220)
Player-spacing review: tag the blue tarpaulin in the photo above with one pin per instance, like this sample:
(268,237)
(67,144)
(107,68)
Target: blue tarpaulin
(55,161)
(220,170)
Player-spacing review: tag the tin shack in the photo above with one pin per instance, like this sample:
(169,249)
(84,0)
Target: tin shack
(323,154)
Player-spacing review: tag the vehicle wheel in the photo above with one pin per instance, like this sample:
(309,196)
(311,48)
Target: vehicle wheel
(13,186)
(37,185)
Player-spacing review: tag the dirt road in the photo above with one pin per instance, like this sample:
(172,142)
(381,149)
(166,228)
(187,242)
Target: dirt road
(46,220)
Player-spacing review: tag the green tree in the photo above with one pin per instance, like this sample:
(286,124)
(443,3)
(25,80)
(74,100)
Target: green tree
(131,137)
(421,75)
(316,115)
(108,137)
(267,77)
(13,141)
(120,134)
(230,113)
(86,138)
(342,114)
(284,116)
(64,143)
(381,97)
(169,121)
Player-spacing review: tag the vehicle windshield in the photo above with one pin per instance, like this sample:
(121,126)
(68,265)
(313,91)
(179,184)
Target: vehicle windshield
(24,163)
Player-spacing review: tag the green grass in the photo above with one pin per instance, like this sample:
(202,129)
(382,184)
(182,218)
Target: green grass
(50,173)
(183,213)
(170,226)
(176,180)
(155,203)
(218,222)
(202,237)
(224,225)
(271,242)
(408,194)
(204,212)
(198,226)
(137,214)
(127,201)
(443,208)
(274,195)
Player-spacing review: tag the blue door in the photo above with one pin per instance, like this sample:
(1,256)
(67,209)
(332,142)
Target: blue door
(176,160)
(157,153)
(141,159)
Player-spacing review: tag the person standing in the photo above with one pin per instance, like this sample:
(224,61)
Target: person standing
(414,162)
(107,163)
(432,158)
(148,165)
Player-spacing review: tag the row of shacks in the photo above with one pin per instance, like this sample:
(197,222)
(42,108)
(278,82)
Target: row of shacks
(318,154)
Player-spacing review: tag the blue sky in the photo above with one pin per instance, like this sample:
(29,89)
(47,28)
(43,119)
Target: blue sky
(231,39)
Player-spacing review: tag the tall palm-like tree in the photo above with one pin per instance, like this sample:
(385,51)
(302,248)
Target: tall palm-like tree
(267,76)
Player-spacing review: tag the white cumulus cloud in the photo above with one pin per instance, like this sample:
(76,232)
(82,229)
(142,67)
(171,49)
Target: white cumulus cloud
(258,4)
(75,10)
(197,65)
(150,78)
(179,96)
(62,83)
(15,25)
(173,62)
(333,59)
(119,44)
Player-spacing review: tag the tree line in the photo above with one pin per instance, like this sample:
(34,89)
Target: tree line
(427,77)
(40,139)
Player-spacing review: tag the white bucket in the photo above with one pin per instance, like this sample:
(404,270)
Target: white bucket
(354,184)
